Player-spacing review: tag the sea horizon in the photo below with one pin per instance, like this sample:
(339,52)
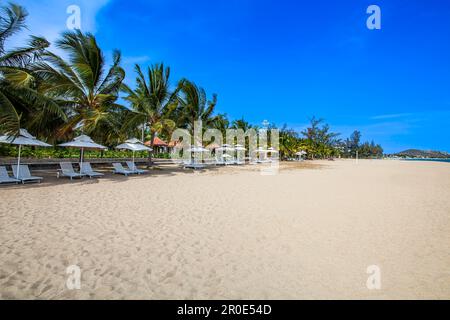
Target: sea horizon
(428,159)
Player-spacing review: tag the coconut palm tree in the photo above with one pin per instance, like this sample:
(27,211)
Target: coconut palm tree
(241,124)
(221,122)
(152,102)
(84,87)
(195,106)
(20,99)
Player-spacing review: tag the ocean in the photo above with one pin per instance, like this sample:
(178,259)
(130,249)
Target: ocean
(439,160)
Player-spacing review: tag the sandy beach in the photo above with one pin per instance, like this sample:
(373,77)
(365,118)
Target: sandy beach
(309,232)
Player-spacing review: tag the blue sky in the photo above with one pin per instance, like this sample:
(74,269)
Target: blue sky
(286,61)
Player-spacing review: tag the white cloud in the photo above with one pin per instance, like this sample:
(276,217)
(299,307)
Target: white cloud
(391,116)
(132,60)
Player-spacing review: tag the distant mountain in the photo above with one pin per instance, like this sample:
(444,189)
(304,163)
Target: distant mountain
(414,153)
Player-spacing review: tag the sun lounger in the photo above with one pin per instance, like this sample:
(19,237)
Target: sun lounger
(209,162)
(194,165)
(219,162)
(132,166)
(5,178)
(68,171)
(118,168)
(24,174)
(87,170)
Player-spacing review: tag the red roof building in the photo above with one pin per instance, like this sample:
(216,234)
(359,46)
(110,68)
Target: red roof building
(157,142)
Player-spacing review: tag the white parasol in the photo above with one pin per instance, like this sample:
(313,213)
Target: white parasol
(22,139)
(134,145)
(83,142)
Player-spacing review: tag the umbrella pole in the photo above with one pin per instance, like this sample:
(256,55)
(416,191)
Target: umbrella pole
(18,162)
(133,156)
(81,160)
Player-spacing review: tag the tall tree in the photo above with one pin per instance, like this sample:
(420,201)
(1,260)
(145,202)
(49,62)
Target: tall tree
(20,101)
(353,143)
(290,142)
(195,106)
(319,140)
(84,86)
(241,124)
(221,122)
(152,101)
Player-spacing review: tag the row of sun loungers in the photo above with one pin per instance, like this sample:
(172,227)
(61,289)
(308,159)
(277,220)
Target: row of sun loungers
(66,170)
(189,164)
(132,169)
(20,176)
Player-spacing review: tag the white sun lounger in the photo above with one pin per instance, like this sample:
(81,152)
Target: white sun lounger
(219,162)
(5,178)
(25,174)
(68,171)
(132,166)
(87,170)
(194,165)
(118,168)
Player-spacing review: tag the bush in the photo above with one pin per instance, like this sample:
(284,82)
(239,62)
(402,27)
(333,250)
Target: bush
(62,153)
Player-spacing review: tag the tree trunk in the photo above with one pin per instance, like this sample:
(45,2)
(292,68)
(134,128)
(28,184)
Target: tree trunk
(150,162)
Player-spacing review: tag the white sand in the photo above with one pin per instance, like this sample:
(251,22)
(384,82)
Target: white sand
(232,234)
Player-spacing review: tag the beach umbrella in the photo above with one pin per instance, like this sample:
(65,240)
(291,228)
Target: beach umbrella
(22,139)
(239,148)
(133,145)
(197,149)
(261,151)
(226,147)
(83,142)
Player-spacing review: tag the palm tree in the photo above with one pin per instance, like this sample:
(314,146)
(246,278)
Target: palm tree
(20,100)
(83,87)
(152,101)
(241,124)
(195,106)
(221,122)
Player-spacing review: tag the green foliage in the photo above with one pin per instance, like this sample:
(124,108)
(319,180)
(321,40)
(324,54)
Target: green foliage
(320,142)
(20,99)
(290,143)
(195,106)
(152,102)
(64,153)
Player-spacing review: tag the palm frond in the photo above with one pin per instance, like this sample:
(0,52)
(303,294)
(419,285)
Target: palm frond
(12,20)
(9,118)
